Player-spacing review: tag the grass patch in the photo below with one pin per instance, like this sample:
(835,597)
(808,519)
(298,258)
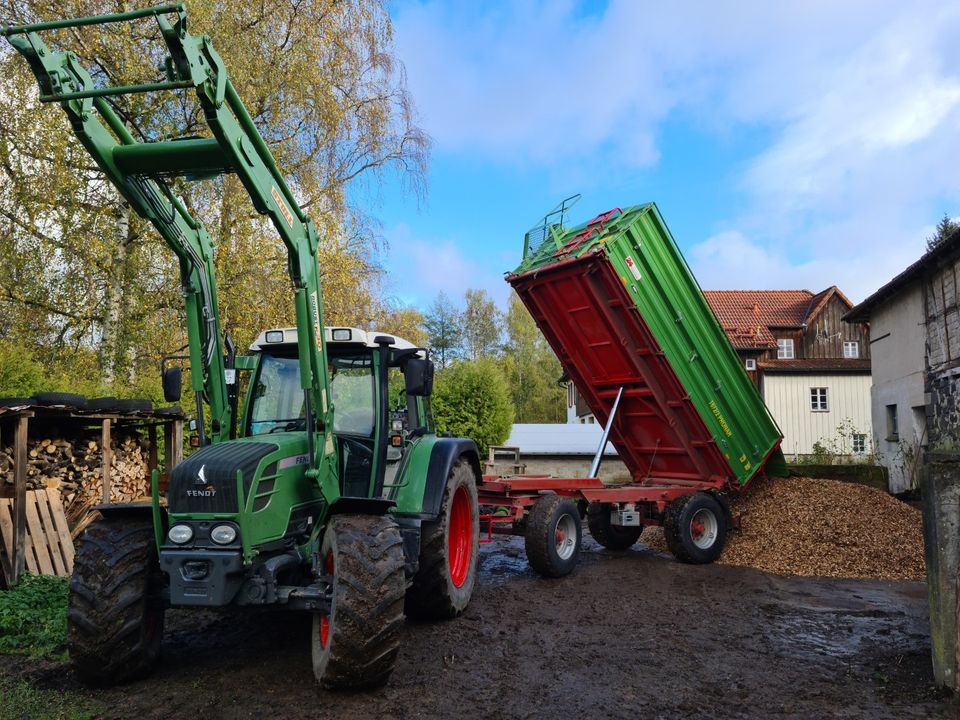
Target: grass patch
(19,700)
(33,617)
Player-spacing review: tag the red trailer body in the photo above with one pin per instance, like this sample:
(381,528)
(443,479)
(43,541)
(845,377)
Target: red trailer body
(604,344)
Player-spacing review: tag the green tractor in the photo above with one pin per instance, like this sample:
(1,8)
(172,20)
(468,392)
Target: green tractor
(332,494)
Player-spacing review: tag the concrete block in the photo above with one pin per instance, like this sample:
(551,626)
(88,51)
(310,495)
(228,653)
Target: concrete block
(940,487)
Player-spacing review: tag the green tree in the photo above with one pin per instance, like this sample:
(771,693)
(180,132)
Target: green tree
(531,369)
(471,400)
(443,323)
(20,374)
(81,271)
(945,229)
(481,324)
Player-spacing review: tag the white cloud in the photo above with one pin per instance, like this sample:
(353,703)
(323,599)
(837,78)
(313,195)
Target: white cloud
(858,104)
(421,268)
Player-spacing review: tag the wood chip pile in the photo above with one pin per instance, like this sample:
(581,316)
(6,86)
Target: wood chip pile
(802,526)
(74,467)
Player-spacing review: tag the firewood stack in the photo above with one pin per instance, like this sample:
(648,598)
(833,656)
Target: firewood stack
(75,467)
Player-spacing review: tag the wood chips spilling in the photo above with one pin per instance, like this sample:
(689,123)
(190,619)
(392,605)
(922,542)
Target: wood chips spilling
(803,526)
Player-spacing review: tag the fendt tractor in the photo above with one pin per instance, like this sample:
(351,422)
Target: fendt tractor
(332,494)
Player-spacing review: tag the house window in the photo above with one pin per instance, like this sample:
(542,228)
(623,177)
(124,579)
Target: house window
(859,443)
(893,429)
(851,349)
(784,348)
(818,399)
(751,364)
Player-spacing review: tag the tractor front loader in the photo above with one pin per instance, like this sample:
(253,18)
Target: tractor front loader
(332,497)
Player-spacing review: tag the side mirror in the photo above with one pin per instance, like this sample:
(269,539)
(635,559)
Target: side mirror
(172,380)
(418,376)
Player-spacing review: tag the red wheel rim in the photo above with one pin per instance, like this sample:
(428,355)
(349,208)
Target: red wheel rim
(460,537)
(325,618)
(324,630)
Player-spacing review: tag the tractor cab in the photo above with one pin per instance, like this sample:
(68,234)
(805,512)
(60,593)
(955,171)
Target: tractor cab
(379,388)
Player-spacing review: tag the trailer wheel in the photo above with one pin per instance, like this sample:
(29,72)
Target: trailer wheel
(553,536)
(114,618)
(612,537)
(449,547)
(355,644)
(695,528)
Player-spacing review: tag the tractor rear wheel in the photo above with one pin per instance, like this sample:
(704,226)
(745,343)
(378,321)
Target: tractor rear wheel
(695,528)
(612,537)
(355,643)
(114,615)
(449,547)
(553,536)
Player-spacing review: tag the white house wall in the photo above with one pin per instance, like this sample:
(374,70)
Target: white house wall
(898,359)
(848,402)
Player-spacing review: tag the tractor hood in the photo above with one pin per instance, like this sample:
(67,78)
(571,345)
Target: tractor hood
(206,482)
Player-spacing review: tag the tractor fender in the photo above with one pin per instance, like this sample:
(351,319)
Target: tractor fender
(446,452)
(130,509)
(360,506)
(142,510)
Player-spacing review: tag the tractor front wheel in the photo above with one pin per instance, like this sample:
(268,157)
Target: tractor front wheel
(553,536)
(114,615)
(355,643)
(449,547)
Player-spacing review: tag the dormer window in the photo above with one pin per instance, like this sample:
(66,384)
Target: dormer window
(784,348)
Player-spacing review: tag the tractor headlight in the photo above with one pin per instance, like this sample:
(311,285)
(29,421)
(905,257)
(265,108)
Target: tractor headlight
(180,534)
(223,534)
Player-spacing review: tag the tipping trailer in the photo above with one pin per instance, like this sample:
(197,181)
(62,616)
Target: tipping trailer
(628,321)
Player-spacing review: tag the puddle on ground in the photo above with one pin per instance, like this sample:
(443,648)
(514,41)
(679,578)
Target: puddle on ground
(799,632)
(503,559)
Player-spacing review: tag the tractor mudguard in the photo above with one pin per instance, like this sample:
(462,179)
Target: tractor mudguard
(141,510)
(131,509)
(443,456)
(360,506)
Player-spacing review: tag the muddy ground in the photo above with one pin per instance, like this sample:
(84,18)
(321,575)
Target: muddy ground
(632,635)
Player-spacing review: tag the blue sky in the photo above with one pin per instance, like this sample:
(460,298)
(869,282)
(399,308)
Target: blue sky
(788,145)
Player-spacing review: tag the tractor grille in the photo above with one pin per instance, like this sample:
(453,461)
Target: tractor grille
(206,482)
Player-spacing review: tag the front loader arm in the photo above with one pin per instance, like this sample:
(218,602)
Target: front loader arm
(139,170)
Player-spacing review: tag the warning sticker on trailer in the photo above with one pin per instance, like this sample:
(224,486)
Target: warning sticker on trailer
(634,270)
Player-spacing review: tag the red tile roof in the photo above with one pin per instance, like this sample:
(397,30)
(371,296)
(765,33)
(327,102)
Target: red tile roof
(748,315)
(854,365)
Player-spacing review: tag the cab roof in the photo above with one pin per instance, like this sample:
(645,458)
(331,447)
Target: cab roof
(334,336)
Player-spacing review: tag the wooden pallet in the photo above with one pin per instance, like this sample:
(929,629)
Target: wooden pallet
(48,548)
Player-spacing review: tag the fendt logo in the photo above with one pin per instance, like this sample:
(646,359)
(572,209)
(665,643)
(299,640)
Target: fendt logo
(208,491)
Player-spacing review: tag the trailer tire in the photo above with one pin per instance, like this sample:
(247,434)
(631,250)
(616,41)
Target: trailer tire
(695,528)
(114,615)
(612,537)
(355,644)
(552,536)
(449,548)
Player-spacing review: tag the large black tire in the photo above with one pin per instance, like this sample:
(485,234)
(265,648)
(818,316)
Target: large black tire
(612,537)
(695,528)
(6,402)
(449,548)
(552,536)
(355,645)
(115,615)
(65,399)
(102,404)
